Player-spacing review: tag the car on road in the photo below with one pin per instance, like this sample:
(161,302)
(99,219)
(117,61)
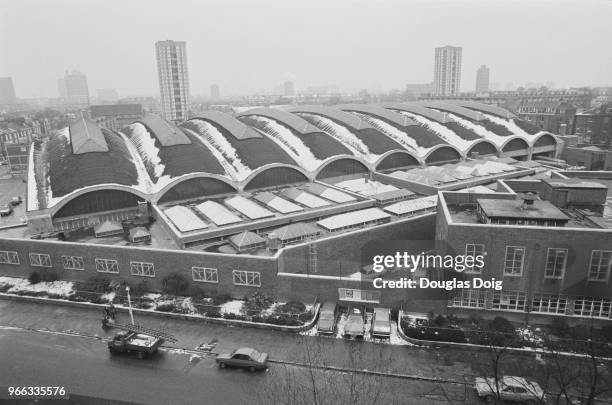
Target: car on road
(327,318)
(6,210)
(355,324)
(134,342)
(244,357)
(509,388)
(381,323)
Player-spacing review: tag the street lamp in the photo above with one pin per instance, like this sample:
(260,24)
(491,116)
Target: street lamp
(127,289)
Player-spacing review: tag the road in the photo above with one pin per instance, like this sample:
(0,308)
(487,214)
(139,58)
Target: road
(85,368)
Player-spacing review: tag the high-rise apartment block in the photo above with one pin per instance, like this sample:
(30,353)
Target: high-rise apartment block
(482,79)
(173,79)
(7,91)
(73,88)
(447,72)
(215,93)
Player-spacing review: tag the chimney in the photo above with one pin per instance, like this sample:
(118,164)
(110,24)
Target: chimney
(274,242)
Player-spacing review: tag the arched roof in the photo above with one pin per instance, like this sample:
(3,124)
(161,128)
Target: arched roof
(515,143)
(344,118)
(379,112)
(419,110)
(541,139)
(443,153)
(289,120)
(401,158)
(209,178)
(275,174)
(232,125)
(488,108)
(453,108)
(81,192)
(483,145)
(341,166)
(166,133)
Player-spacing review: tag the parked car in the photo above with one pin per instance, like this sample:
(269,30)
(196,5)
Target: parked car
(16,200)
(381,322)
(327,318)
(510,388)
(355,324)
(6,210)
(245,357)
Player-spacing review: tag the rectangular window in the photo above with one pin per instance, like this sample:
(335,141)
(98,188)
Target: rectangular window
(468,298)
(509,300)
(601,261)
(248,278)
(474,250)
(8,257)
(72,263)
(552,304)
(593,307)
(204,274)
(142,269)
(40,260)
(107,266)
(515,256)
(555,263)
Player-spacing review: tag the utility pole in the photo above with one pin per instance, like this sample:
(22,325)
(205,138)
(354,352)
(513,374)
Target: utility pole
(127,288)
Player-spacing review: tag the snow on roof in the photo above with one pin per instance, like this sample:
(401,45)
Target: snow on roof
(108,226)
(247,207)
(184,219)
(396,134)
(349,219)
(477,189)
(365,186)
(166,133)
(139,232)
(233,125)
(246,238)
(217,213)
(441,131)
(296,231)
(279,204)
(418,204)
(480,130)
(392,195)
(86,136)
(329,193)
(305,198)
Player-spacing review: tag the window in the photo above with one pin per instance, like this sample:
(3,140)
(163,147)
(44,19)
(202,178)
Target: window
(601,261)
(205,274)
(249,278)
(553,304)
(513,265)
(474,250)
(592,307)
(40,260)
(142,269)
(348,294)
(107,266)
(469,298)
(72,263)
(509,300)
(555,263)
(8,257)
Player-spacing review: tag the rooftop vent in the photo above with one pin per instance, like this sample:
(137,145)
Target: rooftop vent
(528,199)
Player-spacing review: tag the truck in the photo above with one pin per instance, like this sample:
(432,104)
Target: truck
(133,342)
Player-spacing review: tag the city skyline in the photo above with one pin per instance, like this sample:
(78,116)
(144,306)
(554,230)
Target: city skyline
(219,56)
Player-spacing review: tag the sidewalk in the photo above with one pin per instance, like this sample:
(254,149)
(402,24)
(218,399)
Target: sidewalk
(444,363)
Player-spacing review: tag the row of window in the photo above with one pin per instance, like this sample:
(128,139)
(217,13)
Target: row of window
(600,264)
(201,274)
(543,303)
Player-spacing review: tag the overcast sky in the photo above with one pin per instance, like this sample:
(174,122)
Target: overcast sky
(252,45)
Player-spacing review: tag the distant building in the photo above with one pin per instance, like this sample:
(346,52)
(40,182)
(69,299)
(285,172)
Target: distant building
(482,80)
(215,93)
(149,104)
(416,89)
(7,91)
(288,88)
(549,115)
(447,72)
(173,79)
(73,89)
(123,114)
(590,157)
(595,125)
(108,95)
(15,138)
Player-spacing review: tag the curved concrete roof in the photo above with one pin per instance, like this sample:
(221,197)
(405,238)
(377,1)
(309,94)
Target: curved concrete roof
(379,112)
(419,110)
(233,125)
(292,121)
(501,112)
(166,133)
(86,137)
(453,108)
(346,119)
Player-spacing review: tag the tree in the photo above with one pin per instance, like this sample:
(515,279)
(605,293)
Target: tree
(175,284)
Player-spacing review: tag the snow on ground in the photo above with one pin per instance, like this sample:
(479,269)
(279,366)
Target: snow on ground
(498,140)
(62,288)
(109,297)
(443,132)
(151,296)
(216,139)
(187,304)
(396,134)
(290,143)
(344,135)
(270,311)
(234,307)
(340,326)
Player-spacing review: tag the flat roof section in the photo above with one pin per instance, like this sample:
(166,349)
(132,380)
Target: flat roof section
(167,134)
(86,136)
(247,207)
(365,186)
(305,198)
(277,203)
(184,219)
(217,213)
(574,183)
(351,219)
(329,193)
(415,205)
(541,209)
